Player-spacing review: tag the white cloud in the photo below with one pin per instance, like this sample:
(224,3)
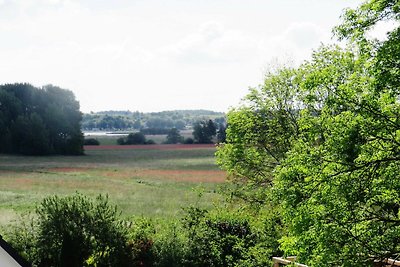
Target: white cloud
(149,55)
(295,43)
(212,43)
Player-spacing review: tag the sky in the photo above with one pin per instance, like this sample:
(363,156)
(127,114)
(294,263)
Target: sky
(155,55)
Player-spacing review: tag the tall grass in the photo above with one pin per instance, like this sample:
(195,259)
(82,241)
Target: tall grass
(152,183)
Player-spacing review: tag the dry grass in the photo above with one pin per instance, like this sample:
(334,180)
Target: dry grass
(154,183)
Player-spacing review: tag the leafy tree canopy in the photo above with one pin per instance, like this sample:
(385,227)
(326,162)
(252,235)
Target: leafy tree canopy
(174,136)
(204,131)
(322,143)
(39,120)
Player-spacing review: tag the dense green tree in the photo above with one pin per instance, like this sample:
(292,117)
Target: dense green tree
(174,136)
(227,237)
(221,134)
(259,135)
(334,169)
(125,120)
(204,131)
(30,135)
(39,120)
(340,181)
(91,142)
(133,139)
(160,123)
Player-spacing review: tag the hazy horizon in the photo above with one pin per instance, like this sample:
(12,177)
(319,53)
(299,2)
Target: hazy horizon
(154,56)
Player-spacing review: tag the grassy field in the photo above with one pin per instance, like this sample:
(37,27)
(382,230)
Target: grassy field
(148,182)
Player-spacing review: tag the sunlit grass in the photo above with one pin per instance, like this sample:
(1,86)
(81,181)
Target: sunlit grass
(153,183)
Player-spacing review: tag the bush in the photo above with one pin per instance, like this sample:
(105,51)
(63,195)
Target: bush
(22,236)
(230,238)
(141,237)
(91,142)
(174,136)
(74,231)
(150,142)
(169,245)
(158,245)
(121,141)
(132,139)
(188,141)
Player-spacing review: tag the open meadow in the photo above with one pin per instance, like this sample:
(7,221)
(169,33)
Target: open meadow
(153,181)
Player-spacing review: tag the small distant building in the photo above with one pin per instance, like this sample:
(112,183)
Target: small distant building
(9,257)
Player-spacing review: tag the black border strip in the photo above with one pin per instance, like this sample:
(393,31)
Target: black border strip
(13,253)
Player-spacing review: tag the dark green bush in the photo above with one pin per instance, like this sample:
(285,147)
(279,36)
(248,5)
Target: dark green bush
(169,245)
(141,239)
(188,141)
(132,139)
(121,141)
(74,231)
(158,244)
(174,137)
(91,142)
(229,238)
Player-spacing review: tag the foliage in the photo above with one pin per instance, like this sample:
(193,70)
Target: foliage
(39,121)
(357,22)
(141,235)
(132,139)
(221,134)
(204,131)
(150,142)
(169,244)
(188,141)
(259,134)
(229,238)
(165,120)
(154,131)
(174,137)
(73,231)
(340,176)
(22,235)
(91,142)
(324,141)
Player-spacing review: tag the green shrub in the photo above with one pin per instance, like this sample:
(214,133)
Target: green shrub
(150,142)
(169,245)
(121,141)
(74,231)
(158,244)
(91,142)
(132,139)
(229,238)
(22,236)
(140,242)
(188,141)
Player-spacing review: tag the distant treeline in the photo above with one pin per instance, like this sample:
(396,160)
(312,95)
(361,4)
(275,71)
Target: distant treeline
(39,121)
(124,120)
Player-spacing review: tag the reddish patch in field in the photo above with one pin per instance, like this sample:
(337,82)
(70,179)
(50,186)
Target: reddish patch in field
(68,169)
(22,181)
(205,176)
(152,147)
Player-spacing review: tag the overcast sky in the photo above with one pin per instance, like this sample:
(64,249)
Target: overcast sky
(153,55)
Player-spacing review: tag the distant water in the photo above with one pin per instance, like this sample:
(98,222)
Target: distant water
(100,133)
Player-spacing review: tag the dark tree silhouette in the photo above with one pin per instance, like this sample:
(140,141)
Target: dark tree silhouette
(39,121)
